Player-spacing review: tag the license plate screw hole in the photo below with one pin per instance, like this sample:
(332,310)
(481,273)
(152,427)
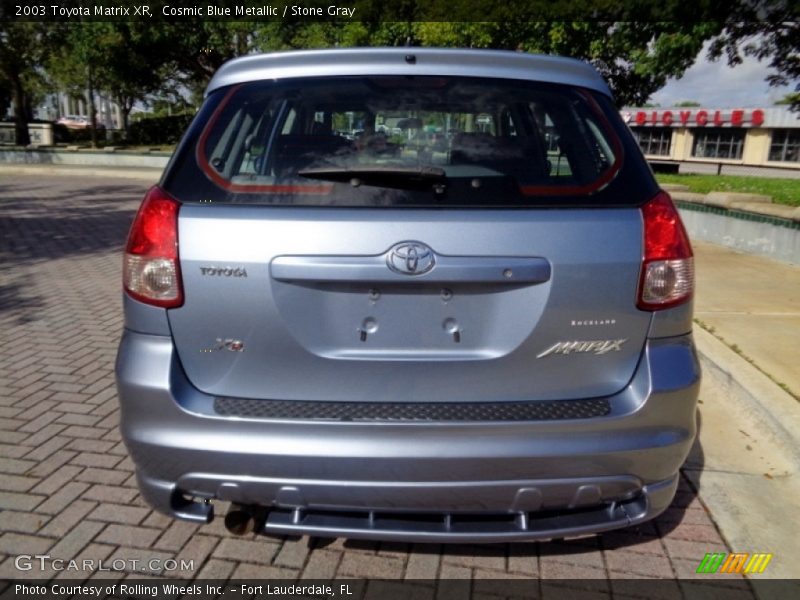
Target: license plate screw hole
(368,326)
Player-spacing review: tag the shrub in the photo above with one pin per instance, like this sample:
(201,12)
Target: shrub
(64,135)
(158,130)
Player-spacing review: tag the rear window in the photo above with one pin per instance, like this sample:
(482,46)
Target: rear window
(400,141)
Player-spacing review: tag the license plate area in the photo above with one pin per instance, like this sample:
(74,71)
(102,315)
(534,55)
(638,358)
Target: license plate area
(408,321)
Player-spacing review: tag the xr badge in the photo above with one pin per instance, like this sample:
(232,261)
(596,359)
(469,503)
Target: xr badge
(228,344)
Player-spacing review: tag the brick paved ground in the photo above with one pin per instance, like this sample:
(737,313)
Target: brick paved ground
(67,486)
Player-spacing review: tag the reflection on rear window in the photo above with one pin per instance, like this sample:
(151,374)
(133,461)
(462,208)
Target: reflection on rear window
(361,141)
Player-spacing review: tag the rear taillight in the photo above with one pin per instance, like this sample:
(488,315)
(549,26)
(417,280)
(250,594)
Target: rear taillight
(667,277)
(151,272)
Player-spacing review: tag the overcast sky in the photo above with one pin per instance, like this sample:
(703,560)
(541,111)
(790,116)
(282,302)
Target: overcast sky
(714,84)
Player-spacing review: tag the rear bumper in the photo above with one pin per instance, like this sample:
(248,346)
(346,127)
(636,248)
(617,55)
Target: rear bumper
(425,481)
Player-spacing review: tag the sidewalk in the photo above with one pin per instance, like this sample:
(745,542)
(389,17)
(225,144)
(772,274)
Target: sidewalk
(753,304)
(745,466)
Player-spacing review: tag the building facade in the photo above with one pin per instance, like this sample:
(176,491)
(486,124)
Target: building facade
(108,113)
(703,139)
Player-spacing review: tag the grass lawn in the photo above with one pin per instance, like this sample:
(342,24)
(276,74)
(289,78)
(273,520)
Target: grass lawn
(782,191)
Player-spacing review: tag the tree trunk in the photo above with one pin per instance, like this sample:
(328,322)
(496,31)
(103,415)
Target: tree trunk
(126,113)
(125,104)
(92,108)
(20,121)
(28,108)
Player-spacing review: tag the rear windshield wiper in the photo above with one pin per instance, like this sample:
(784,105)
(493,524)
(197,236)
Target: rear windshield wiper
(406,178)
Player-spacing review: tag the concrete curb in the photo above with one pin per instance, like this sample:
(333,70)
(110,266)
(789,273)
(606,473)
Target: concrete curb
(91,157)
(762,399)
(141,173)
(748,476)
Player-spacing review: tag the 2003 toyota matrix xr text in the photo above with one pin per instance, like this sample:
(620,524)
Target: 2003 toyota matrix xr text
(409,294)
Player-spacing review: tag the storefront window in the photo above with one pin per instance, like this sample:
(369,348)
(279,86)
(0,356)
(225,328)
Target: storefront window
(654,140)
(785,145)
(718,143)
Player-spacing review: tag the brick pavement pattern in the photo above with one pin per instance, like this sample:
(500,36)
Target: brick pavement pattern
(67,486)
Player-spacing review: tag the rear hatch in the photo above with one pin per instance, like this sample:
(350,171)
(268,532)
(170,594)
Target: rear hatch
(408,240)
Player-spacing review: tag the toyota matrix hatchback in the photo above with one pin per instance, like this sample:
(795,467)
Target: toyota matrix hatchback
(471,321)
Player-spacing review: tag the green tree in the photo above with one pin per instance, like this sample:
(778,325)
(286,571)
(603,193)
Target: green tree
(132,66)
(197,48)
(123,60)
(769,31)
(635,58)
(23,48)
(75,65)
(792,99)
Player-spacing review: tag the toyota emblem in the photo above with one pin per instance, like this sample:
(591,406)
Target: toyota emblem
(410,258)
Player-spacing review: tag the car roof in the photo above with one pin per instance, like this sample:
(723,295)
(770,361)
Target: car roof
(500,64)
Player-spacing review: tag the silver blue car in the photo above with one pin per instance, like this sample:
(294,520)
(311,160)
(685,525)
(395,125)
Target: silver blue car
(408,294)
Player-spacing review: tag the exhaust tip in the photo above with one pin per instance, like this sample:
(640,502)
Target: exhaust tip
(243,519)
(240,520)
